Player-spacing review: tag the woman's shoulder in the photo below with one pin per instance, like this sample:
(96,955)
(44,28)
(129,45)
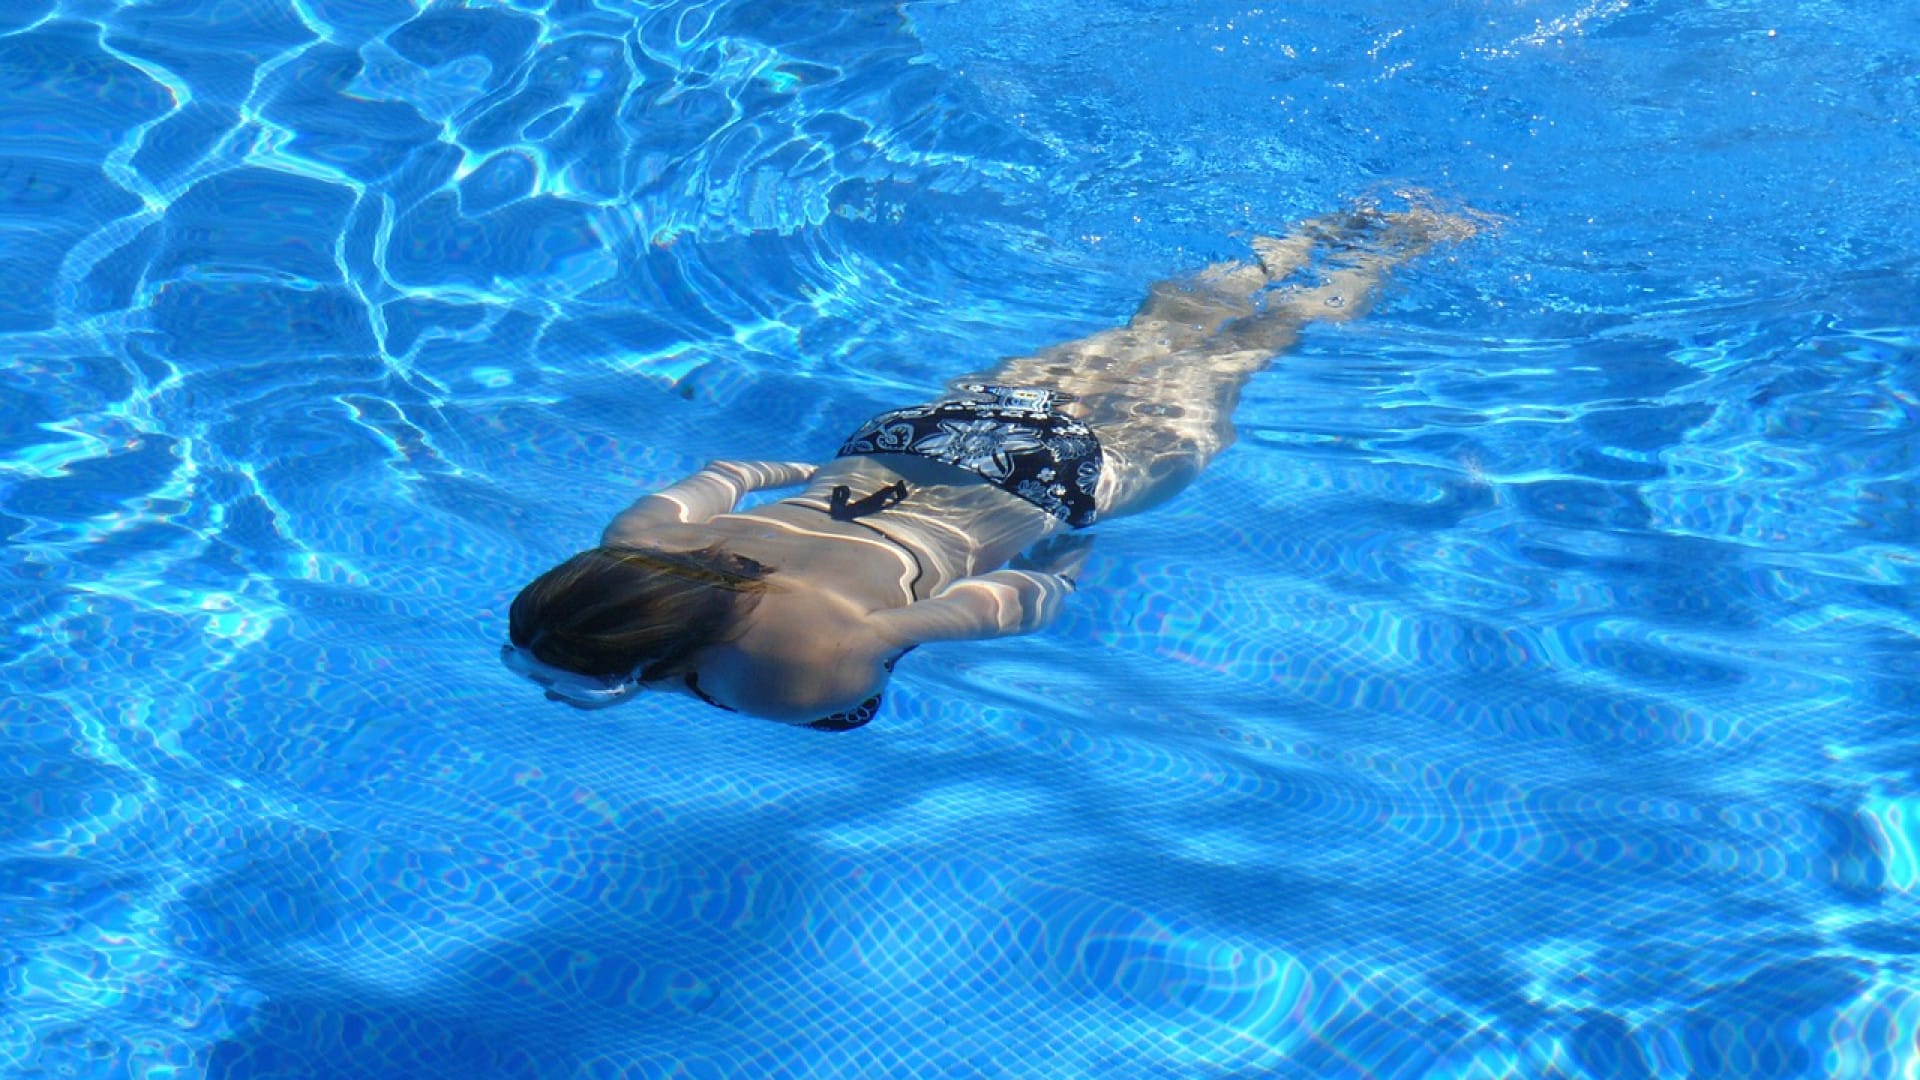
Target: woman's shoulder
(806,653)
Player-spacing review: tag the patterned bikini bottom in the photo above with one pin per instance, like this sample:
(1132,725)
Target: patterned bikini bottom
(1012,437)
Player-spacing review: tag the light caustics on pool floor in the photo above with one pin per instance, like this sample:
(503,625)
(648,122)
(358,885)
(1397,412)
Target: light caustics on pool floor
(1529,692)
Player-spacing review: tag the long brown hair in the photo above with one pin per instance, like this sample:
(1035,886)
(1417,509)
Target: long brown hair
(615,610)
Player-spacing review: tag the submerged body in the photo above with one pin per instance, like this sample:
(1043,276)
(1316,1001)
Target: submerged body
(906,538)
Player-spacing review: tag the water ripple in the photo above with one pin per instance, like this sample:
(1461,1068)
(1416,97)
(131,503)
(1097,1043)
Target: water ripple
(1528,693)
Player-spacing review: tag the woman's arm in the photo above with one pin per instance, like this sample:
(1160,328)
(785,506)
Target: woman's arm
(715,489)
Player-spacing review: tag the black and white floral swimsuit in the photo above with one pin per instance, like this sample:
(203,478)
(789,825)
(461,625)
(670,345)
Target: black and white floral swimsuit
(1012,437)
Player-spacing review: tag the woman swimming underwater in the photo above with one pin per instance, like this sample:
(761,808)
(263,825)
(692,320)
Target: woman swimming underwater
(798,609)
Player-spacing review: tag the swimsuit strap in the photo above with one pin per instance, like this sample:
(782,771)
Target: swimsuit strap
(838,510)
(919,571)
(842,510)
(693,683)
(858,716)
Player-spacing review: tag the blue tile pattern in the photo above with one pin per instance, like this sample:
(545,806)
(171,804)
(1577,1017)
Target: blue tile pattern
(1531,692)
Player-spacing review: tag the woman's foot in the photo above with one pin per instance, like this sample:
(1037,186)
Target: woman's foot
(1346,255)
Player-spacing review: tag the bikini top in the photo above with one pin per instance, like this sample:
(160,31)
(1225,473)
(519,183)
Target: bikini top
(858,716)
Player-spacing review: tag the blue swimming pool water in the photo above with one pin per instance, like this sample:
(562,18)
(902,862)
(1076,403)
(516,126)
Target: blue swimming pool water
(1531,692)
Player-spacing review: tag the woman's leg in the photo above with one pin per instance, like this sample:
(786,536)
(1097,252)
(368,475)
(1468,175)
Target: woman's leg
(1161,390)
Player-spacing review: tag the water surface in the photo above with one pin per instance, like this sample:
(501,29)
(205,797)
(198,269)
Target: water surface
(1530,692)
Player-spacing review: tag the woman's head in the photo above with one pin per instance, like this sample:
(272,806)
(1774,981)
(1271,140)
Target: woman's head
(634,614)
